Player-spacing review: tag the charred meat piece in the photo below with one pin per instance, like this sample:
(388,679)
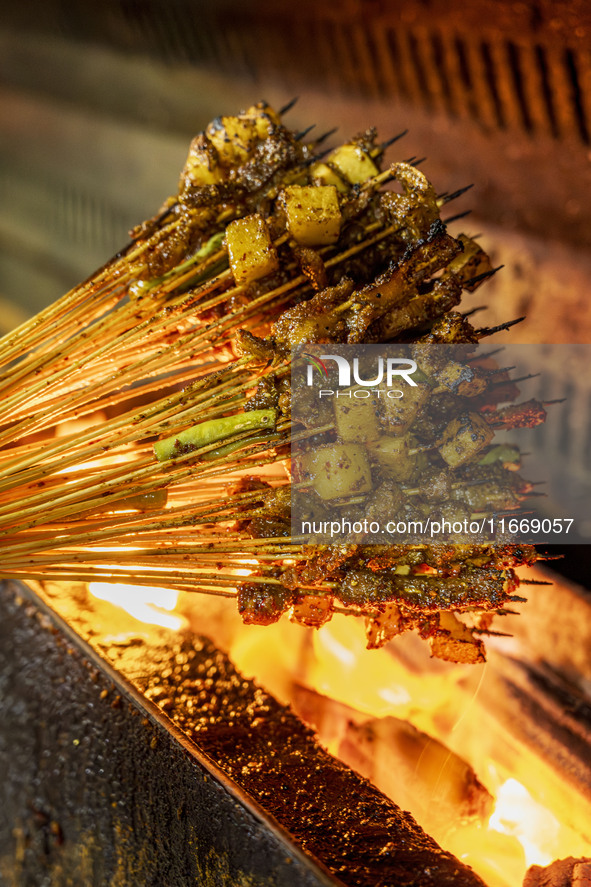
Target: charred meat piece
(262,603)
(523,415)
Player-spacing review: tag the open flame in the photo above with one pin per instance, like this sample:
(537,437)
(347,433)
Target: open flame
(536,828)
(150,605)
(529,823)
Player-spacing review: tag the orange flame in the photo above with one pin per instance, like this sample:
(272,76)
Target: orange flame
(144,604)
(436,698)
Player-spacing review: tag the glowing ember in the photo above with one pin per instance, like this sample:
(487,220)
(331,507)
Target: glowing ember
(534,814)
(363,692)
(150,605)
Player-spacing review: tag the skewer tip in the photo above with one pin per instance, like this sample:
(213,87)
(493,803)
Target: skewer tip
(457,217)
(383,145)
(326,135)
(303,133)
(288,106)
(457,193)
(488,331)
(534,582)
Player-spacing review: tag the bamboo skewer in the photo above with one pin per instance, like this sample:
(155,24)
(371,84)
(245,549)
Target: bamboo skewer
(141,351)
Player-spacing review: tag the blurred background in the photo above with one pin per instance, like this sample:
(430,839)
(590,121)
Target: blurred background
(98,103)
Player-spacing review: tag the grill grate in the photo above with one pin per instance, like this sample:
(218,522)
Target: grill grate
(501,100)
(523,68)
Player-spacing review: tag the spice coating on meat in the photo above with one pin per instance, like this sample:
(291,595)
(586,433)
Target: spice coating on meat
(383,267)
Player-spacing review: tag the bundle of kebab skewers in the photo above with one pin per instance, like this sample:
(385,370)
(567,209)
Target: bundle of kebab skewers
(145,424)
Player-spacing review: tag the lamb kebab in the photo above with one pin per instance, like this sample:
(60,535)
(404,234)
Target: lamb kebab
(399,276)
(292,244)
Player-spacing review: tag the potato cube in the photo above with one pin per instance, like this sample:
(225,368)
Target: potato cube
(263,117)
(464,437)
(356,417)
(324,175)
(233,138)
(393,454)
(400,412)
(353,163)
(250,249)
(471,262)
(338,470)
(455,642)
(461,379)
(313,214)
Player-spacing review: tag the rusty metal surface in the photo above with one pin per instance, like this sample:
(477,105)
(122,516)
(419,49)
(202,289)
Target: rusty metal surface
(96,790)
(508,65)
(212,782)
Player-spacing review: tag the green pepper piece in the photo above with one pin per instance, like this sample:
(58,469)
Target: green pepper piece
(211,431)
(501,453)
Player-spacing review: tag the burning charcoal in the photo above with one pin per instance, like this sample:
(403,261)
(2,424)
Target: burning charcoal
(228,776)
(418,772)
(568,872)
(582,874)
